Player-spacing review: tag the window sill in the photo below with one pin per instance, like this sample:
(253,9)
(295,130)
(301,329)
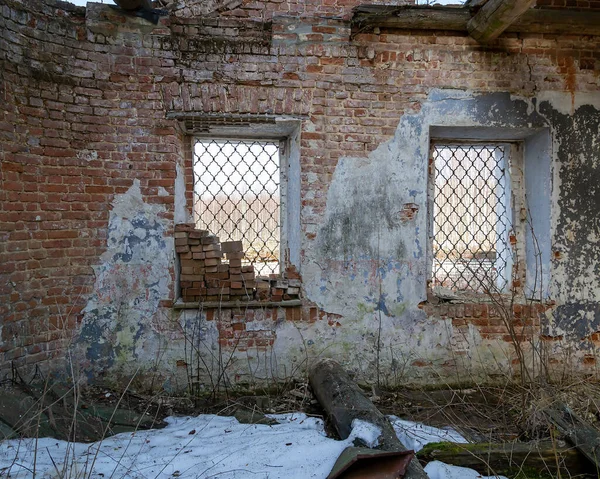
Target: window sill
(291,303)
(444,295)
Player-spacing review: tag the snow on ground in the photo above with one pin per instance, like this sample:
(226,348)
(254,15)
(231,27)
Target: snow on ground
(414,435)
(439,470)
(367,432)
(210,446)
(201,447)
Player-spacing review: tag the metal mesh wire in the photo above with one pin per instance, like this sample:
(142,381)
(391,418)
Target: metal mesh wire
(237,197)
(470,218)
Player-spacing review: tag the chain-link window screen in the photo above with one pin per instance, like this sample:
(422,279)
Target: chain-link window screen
(237,197)
(471,218)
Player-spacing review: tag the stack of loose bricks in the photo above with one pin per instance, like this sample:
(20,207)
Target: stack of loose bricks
(205,277)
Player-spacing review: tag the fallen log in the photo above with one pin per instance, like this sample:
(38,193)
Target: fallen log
(344,401)
(578,432)
(508,458)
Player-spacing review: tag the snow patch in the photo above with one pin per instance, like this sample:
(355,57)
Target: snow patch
(211,446)
(414,435)
(365,431)
(439,470)
(188,448)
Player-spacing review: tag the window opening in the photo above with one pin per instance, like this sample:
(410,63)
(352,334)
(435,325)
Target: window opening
(237,197)
(471,217)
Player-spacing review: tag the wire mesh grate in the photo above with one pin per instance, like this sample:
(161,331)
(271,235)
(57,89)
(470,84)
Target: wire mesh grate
(471,220)
(237,197)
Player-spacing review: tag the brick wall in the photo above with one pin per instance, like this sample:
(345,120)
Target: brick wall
(76,130)
(265,10)
(84,114)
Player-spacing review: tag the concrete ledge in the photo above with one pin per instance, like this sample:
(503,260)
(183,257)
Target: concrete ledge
(110,20)
(292,303)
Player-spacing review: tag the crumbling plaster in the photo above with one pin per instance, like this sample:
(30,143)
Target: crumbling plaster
(132,277)
(369,266)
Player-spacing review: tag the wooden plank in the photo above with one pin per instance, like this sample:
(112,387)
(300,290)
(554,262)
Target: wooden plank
(535,20)
(411,17)
(344,401)
(495,17)
(581,434)
(475,3)
(488,458)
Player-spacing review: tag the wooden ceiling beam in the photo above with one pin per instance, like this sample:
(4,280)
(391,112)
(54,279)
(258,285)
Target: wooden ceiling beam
(495,17)
(534,20)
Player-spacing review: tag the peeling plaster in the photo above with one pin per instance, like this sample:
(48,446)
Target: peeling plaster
(363,252)
(370,268)
(132,277)
(576,284)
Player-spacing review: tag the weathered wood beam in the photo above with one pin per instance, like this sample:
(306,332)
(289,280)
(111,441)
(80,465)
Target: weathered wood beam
(495,17)
(580,433)
(343,401)
(534,20)
(411,17)
(507,458)
(475,3)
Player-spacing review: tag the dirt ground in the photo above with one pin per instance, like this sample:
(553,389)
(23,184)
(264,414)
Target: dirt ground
(481,414)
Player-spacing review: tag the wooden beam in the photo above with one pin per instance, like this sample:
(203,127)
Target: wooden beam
(495,17)
(475,3)
(410,18)
(535,20)
(343,401)
(509,458)
(584,436)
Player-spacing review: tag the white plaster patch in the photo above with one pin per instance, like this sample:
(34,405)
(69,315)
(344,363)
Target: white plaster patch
(132,278)
(140,233)
(311,178)
(181,212)
(364,275)
(87,155)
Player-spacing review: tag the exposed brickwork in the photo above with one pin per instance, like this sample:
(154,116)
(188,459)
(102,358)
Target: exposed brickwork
(85,115)
(254,328)
(211,270)
(494,321)
(267,9)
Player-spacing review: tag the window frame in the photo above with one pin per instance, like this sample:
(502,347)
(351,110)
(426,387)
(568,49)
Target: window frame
(287,131)
(514,157)
(283,182)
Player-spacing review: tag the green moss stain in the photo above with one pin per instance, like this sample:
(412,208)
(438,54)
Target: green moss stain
(396,309)
(363,309)
(125,345)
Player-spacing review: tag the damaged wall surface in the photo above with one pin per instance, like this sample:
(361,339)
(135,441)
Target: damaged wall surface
(96,172)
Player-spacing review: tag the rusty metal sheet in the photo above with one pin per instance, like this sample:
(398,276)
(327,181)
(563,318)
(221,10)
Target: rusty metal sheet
(365,463)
